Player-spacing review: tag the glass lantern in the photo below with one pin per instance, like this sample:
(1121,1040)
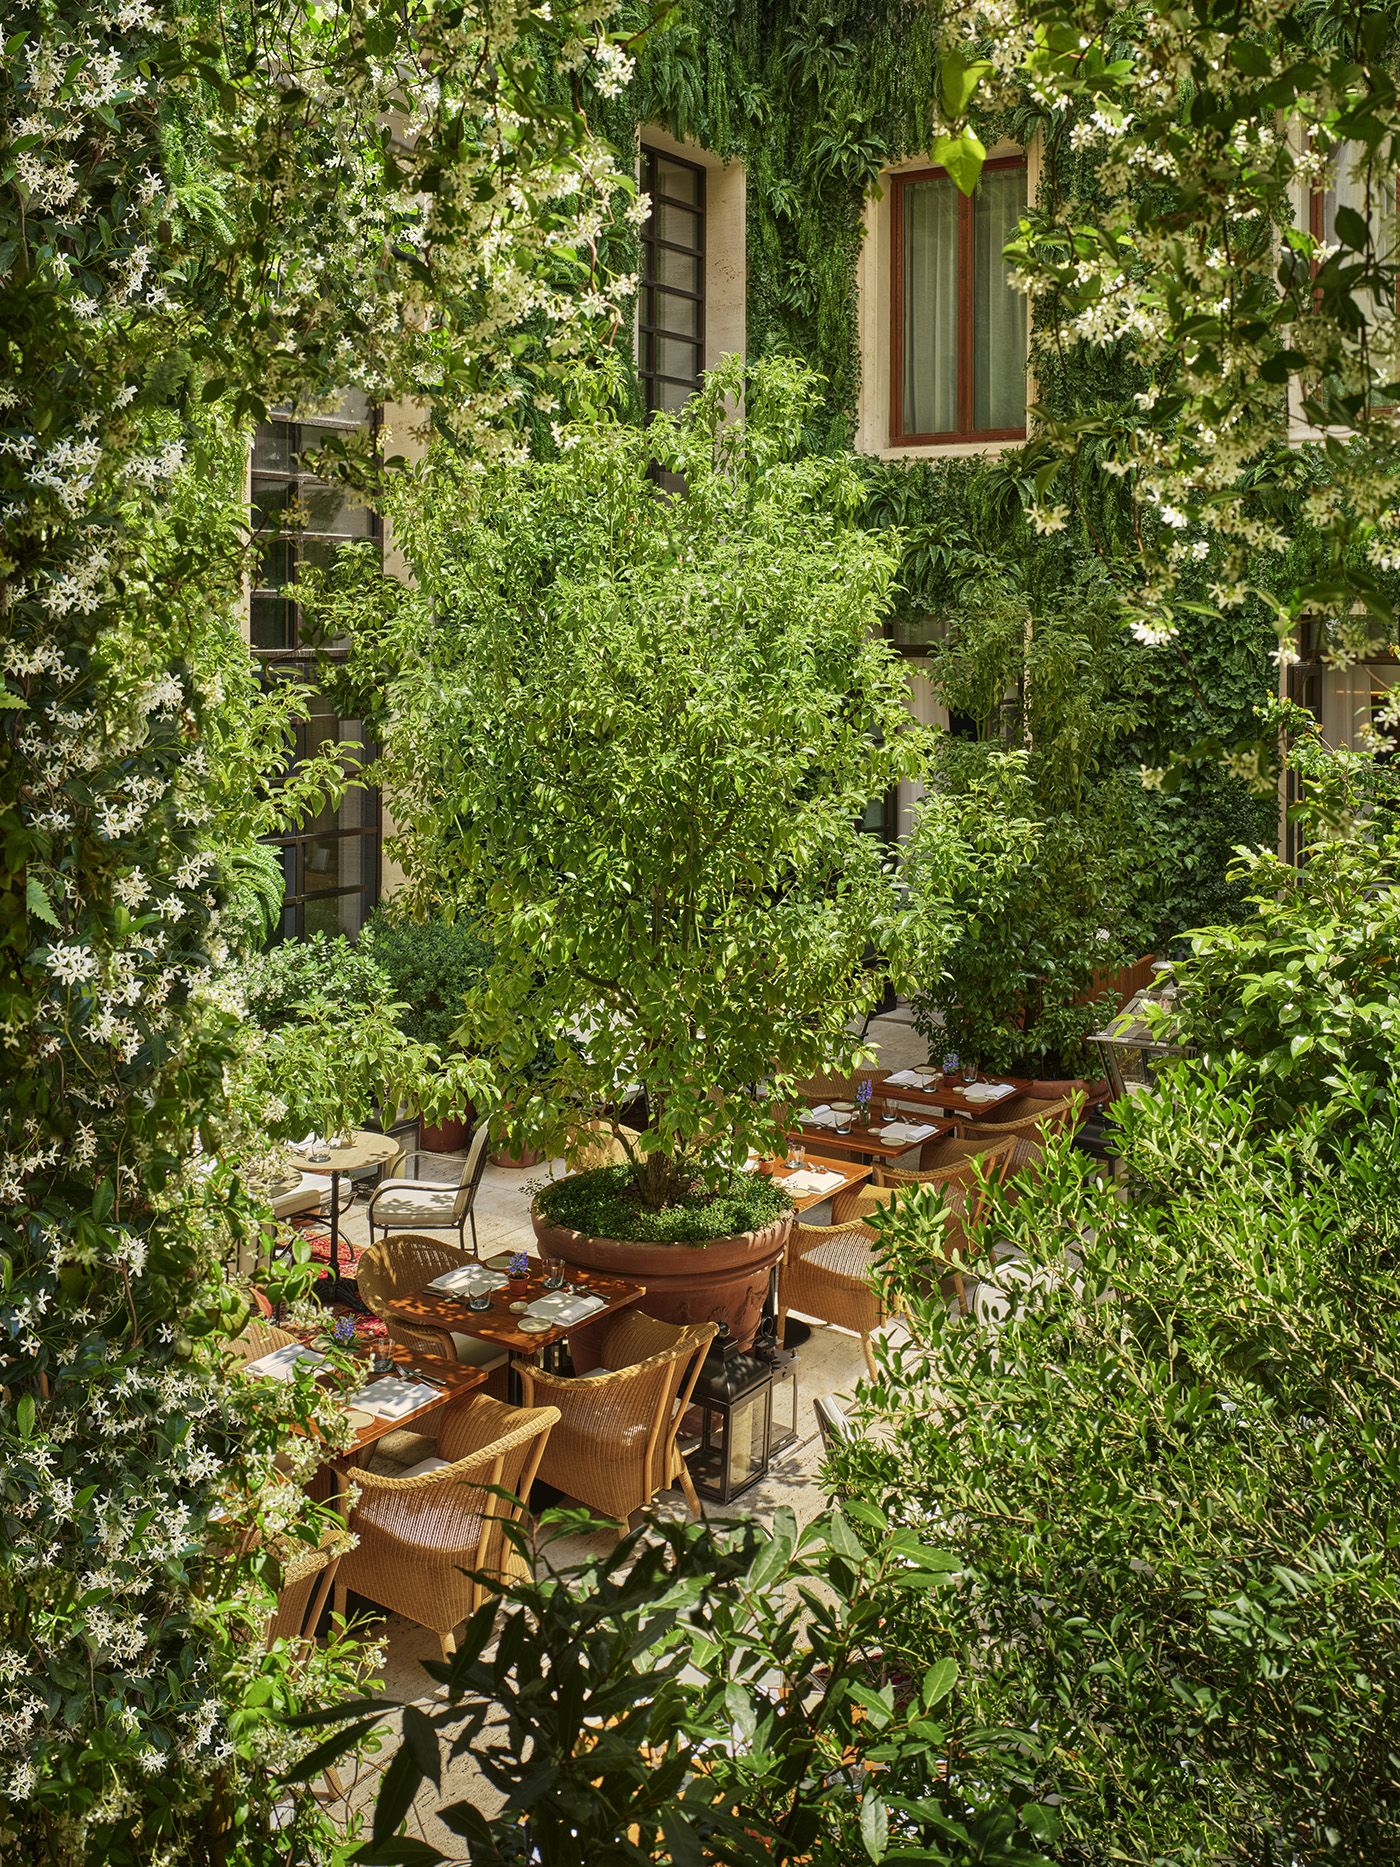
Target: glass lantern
(1134,1049)
(735,1397)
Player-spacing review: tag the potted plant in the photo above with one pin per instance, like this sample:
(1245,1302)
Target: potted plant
(667,716)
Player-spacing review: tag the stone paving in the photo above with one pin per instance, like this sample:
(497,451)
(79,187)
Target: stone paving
(831,1363)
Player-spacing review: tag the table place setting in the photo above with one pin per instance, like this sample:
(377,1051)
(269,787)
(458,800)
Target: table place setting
(987,1092)
(830,1115)
(283,1362)
(394,1398)
(908,1131)
(469,1280)
(561,1308)
(912,1079)
(813,1180)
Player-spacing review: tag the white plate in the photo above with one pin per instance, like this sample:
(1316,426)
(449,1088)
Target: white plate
(359,1419)
(534,1325)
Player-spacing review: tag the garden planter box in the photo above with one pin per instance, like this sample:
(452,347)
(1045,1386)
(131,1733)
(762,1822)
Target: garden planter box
(723,1280)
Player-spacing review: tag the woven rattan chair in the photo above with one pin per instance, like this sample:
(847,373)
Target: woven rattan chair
(258,1338)
(1035,1121)
(962,1185)
(826,1273)
(432,1205)
(615,1445)
(418,1534)
(395,1268)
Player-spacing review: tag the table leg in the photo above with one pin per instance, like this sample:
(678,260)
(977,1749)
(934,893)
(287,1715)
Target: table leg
(335,1288)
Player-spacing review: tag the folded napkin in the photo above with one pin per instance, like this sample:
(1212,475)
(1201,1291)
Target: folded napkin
(282,1362)
(812,1180)
(392,1398)
(909,1131)
(468,1280)
(565,1306)
(910,1079)
(825,1117)
(988,1092)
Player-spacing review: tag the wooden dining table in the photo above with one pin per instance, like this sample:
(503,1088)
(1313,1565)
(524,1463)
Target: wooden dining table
(500,1326)
(853,1173)
(866,1142)
(949,1095)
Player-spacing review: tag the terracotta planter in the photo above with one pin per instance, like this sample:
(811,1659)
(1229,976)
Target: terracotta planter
(449,1137)
(530,1158)
(724,1280)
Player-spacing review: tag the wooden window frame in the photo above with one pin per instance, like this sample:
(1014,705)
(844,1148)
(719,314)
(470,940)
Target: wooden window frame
(651,378)
(964,430)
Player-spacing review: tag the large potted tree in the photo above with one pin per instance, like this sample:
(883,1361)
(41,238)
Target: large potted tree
(634,706)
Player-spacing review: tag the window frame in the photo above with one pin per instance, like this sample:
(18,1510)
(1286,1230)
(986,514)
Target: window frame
(964,431)
(298,663)
(650,243)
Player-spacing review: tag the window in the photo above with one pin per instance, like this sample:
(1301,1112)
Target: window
(671,324)
(330,863)
(959,336)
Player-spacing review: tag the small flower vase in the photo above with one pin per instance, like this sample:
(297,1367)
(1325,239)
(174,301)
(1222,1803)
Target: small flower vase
(519,1287)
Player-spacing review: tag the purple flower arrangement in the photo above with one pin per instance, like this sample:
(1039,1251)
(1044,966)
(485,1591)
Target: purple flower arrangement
(518,1265)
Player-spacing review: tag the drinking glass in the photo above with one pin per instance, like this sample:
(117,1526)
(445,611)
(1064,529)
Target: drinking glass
(480,1299)
(553,1272)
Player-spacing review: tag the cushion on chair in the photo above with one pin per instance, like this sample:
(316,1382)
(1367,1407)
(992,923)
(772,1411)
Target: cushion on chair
(472,1352)
(403,1207)
(430,1464)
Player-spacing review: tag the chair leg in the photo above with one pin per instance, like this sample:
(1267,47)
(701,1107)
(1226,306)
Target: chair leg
(688,1489)
(448,1644)
(476,1248)
(869,1358)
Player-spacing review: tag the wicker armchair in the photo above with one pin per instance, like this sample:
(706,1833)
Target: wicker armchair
(418,1534)
(826,1273)
(397,1267)
(259,1337)
(1023,1117)
(615,1445)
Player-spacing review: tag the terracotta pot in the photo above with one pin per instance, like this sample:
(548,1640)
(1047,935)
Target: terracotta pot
(449,1137)
(724,1280)
(530,1158)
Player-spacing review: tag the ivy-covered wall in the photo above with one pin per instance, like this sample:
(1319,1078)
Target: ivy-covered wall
(815,98)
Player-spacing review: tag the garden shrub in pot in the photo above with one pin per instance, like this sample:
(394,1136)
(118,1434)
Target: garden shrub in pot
(630,735)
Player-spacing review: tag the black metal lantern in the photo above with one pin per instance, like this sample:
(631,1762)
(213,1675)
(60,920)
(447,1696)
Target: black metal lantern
(735,1397)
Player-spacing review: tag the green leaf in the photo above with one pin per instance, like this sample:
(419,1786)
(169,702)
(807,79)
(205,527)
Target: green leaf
(962,157)
(11,702)
(38,903)
(939,1681)
(874,1827)
(960,77)
(26,1416)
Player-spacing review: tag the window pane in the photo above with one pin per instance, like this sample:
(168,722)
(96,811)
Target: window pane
(673,313)
(273,446)
(998,312)
(678,269)
(678,358)
(678,224)
(682,183)
(271,622)
(672,394)
(930,361)
(1372,194)
(331,509)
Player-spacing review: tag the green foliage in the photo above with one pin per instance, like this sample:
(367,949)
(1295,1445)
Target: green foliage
(1040,903)
(1307,990)
(1163,1455)
(629,738)
(710,1694)
(282,983)
(604,1203)
(431,967)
